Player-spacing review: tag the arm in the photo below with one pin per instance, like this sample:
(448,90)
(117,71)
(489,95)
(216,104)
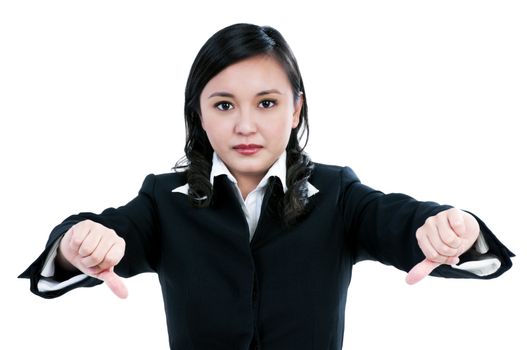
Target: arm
(136,222)
(95,250)
(486,258)
(442,239)
(383,227)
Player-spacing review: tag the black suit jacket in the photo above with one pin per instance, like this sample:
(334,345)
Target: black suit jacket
(286,289)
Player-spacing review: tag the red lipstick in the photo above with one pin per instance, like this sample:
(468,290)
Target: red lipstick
(248,149)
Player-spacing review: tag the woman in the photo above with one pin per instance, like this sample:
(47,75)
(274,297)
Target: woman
(253,242)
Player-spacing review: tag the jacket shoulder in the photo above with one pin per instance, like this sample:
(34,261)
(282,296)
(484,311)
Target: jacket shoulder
(166,181)
(332,173)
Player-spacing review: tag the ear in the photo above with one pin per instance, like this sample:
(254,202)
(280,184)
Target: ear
(298,108)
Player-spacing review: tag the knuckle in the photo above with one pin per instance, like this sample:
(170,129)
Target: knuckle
(105,231)
(99,226)
(68,233)
(446,251)
(84,223)
(89,261)
(96,258)
(455,211)
(430,220)
(441,249)
(434,256)
(458,224)
(450,240)
(111,260)
(76,241)
(84,250)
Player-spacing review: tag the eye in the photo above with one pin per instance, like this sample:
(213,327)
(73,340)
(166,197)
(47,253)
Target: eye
(266,104)
(224,106)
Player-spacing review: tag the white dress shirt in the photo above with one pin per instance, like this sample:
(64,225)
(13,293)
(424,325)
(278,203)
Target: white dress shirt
(252,206)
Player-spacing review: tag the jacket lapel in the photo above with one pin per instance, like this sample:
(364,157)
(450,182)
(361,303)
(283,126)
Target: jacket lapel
(270,223)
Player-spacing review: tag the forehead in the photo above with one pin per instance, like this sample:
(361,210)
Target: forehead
(250,76)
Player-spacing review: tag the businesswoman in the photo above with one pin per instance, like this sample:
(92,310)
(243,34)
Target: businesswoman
(252,241)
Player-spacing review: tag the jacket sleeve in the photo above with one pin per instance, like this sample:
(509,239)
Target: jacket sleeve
(136,222)
(382,227)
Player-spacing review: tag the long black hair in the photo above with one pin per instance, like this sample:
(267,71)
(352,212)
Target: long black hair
(226,47)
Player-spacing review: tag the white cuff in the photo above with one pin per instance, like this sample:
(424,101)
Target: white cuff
(49,266)
(47,283)
(481,245)
(483,267)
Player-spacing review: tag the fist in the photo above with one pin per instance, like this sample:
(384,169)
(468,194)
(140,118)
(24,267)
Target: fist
(442,239)
(94,249)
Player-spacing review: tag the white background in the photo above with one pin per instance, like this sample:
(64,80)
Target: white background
(427,98)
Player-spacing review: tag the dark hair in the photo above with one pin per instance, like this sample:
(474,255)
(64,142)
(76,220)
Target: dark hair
(226,47)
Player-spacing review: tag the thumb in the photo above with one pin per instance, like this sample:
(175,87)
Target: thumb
(420,271)
(114,282)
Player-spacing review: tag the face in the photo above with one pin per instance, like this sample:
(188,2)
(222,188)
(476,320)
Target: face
(248,111)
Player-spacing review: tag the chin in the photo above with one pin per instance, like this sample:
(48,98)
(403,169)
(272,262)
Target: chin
(255,164)
(252,169)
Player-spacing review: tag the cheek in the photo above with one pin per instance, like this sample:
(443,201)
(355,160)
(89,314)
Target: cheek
(279,130)
(217,131)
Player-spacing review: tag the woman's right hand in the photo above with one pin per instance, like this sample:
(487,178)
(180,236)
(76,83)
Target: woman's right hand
(94,249)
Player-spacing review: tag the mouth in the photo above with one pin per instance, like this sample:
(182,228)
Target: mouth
(247,149)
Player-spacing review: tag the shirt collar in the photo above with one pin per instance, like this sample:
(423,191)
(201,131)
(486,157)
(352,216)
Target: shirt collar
(278,169)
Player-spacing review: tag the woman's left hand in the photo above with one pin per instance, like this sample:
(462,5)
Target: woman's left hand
(443,238)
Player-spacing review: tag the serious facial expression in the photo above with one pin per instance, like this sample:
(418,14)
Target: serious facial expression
(248,111)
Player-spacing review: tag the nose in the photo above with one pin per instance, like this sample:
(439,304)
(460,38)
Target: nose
(245,123)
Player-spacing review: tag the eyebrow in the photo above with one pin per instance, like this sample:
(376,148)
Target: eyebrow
(228,94)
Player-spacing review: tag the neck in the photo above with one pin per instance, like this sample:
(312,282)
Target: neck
(248,184)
